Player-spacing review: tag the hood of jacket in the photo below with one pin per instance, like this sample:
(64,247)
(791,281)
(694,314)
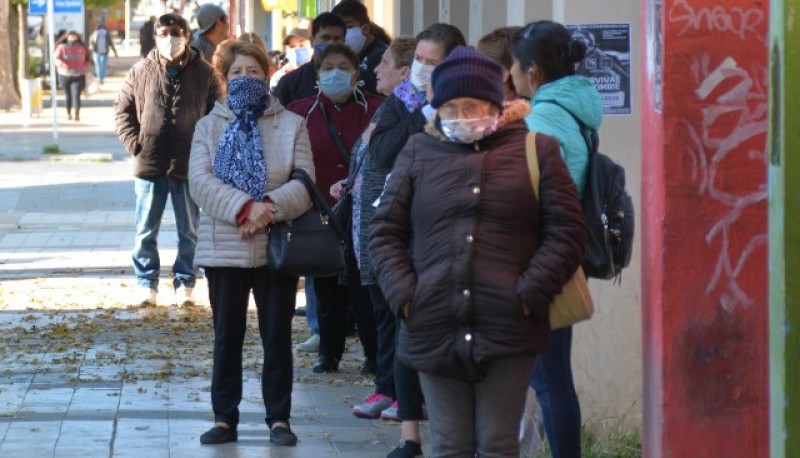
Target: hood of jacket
(513,111)
(578,95)
(221,109)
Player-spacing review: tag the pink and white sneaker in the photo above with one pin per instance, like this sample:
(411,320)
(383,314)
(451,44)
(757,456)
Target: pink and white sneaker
(390,413)
(373,406)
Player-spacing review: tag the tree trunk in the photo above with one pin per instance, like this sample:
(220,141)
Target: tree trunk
(8,95)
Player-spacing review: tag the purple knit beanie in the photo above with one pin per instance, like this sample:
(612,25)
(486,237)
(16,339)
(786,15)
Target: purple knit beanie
(467,72)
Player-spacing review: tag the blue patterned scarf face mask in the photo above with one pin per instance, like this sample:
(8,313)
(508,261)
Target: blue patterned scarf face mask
(240,156)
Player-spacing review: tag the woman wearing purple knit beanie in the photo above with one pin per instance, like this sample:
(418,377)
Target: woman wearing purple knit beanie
(469,270)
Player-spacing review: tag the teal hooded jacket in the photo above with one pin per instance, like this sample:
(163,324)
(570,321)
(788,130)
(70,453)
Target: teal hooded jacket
(579,95)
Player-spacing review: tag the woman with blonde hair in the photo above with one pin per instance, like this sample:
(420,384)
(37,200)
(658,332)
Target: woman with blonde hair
(242,156)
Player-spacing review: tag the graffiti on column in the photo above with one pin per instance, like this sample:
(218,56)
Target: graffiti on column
(742,22)
(734,119)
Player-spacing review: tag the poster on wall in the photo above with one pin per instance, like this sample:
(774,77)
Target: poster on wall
(607,63)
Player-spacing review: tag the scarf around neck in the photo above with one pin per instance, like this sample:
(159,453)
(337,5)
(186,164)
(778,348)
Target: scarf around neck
(410,96)
(240,156)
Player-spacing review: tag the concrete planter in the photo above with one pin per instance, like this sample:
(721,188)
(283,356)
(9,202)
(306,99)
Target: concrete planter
(31,92)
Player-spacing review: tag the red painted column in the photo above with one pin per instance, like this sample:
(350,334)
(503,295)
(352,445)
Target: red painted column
(704,228)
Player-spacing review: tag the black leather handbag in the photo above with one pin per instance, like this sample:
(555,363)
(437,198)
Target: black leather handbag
(311,245)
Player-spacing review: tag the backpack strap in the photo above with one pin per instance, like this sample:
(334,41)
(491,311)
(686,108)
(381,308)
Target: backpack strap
(533,161)
(589,135)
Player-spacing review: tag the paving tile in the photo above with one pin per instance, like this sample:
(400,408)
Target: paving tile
(43,434)
(49,395)
(92,436)
(26,450)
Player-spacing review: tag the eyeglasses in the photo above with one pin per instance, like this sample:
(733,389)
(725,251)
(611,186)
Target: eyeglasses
(465,109)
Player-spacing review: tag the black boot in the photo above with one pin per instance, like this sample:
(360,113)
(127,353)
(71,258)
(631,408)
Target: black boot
(326,364)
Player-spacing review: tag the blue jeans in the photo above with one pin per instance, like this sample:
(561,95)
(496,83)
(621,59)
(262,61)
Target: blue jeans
(100,61)
(555,391)
(311,306)
(151,199)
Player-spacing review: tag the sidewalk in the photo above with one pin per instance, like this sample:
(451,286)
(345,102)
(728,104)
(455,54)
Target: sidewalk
(83,374)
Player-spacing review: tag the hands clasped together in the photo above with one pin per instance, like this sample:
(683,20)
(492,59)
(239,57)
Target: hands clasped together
(260,216)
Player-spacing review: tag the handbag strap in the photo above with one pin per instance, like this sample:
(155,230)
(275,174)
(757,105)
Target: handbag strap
(335,136)
(533,161)
(317,198)
(351,180)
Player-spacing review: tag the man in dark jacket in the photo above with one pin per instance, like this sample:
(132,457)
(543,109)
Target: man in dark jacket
(147,39)
(163,97)
(326,29)
(360,38)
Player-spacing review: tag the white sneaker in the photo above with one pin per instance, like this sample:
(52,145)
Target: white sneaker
(147,297)
(311,345)
(185,296)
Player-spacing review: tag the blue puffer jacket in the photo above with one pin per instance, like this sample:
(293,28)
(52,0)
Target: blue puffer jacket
(578,95)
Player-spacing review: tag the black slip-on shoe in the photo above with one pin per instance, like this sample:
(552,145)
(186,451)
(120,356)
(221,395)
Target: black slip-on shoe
(219,435)
(406,449)
(281,435)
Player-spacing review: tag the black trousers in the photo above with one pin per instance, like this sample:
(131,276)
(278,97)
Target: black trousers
(229,292)
(384,321)
(332,303)
(406,383)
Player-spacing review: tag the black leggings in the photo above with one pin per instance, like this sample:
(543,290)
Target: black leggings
(73,87)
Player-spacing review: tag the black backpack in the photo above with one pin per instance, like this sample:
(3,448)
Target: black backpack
(608,209)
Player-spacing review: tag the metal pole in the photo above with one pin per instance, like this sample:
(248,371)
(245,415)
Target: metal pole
(51,26)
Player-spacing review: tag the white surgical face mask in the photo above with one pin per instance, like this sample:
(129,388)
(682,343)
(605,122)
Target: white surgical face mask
(355,39)
(469,130)
(171,47)
(421,75)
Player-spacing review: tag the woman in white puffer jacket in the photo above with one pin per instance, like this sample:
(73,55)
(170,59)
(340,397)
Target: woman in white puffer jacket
(242,155)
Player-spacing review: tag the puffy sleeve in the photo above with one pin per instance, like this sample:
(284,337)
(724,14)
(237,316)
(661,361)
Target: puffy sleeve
(390,233)
(291,198)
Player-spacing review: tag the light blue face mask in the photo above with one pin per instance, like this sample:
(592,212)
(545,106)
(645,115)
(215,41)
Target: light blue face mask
(301,56)
(319,47)
(335,83)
